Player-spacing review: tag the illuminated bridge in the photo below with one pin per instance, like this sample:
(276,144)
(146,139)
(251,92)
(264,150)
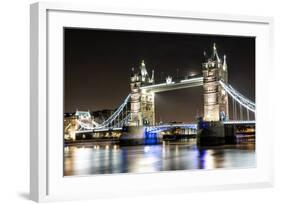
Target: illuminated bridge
(138,108)
(117,120)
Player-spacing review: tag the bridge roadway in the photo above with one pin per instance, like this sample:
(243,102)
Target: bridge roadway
(237,122)
(100,130)
(148,128)
(187,83)
(167,126)
(163,127)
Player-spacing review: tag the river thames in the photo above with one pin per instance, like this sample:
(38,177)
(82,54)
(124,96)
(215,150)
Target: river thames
(107,158)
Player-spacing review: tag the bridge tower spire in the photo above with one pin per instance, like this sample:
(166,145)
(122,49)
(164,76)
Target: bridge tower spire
(215,97)
(144,73)
(224,66)
(223,96)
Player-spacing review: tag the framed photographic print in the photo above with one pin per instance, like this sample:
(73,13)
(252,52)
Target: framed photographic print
(127,102)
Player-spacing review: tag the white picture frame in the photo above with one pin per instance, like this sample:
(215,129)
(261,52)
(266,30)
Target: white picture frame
(46,177)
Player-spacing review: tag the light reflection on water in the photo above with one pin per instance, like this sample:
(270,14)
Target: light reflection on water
(112,158)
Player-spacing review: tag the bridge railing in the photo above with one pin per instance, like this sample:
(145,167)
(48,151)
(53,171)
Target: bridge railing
(164,127)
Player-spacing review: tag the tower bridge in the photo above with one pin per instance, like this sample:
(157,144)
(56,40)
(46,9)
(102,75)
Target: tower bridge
(138,108)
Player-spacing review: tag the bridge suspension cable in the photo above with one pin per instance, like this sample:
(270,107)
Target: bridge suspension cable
(116,120)
(238,97)
(119,112)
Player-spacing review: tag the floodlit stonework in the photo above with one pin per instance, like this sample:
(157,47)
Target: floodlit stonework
(215,97)
(142,103)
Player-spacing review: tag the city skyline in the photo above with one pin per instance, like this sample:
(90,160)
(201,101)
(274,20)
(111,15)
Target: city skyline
(98,65)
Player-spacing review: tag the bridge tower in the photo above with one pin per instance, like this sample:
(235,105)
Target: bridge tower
(142,102)
(215,97)
(136,115)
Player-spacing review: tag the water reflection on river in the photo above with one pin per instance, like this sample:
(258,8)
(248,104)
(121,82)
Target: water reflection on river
(109,158)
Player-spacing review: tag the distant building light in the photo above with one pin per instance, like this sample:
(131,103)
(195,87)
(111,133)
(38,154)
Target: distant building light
(191,74)
(169,80)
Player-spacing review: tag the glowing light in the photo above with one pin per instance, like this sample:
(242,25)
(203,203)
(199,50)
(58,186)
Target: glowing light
(169,80)
(146,149)
(199,79)
(192,74)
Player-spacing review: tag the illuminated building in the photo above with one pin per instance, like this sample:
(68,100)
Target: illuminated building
(215,97)
(142,102)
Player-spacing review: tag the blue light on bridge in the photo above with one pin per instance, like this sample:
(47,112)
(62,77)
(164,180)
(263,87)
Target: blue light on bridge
(203,125)
(150,138)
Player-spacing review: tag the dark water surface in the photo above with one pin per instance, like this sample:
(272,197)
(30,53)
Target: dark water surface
(106,158)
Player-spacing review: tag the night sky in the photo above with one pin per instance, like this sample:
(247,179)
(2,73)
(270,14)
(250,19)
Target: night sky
(98,65)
